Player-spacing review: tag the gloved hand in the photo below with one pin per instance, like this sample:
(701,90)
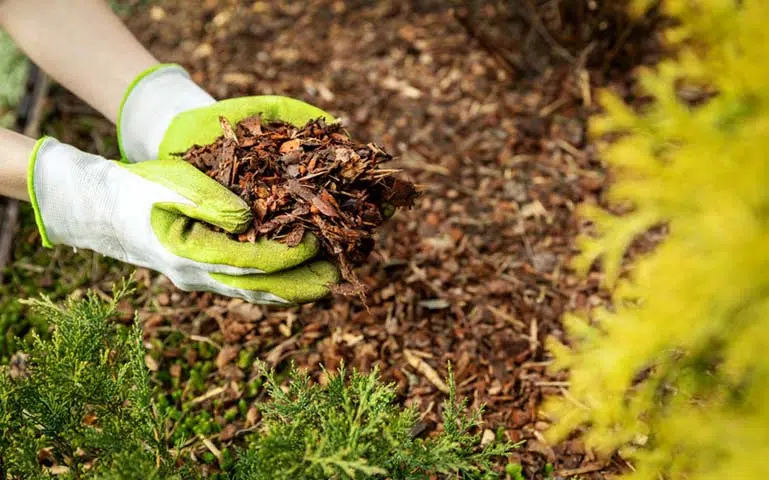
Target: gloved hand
(165,112)
(149,214)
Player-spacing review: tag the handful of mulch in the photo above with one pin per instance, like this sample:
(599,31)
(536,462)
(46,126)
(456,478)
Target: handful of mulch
(309,179)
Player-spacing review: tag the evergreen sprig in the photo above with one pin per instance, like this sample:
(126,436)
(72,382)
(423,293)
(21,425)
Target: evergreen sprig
(351,428)
(83,399)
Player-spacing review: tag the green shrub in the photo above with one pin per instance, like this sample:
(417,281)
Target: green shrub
(83,397)
(676,371)
(81,406)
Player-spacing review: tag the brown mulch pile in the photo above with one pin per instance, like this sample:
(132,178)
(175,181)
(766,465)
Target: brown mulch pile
(312,178)
(491,123)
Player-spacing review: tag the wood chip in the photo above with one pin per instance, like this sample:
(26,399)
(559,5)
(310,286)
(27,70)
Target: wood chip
(211,447)
(290,146)
(214,392)
(226,355)
(425,369)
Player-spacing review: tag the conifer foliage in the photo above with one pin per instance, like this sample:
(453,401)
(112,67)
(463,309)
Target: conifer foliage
(81,401)
(80,405)
(352,429)
(677,371)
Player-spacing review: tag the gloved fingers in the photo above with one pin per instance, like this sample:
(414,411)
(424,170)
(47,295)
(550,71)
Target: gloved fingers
(303,284)
(193,240)
(209,201)
(201,126)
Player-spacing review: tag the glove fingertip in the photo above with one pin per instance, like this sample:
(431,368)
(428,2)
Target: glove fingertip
(207,200)
(304,284)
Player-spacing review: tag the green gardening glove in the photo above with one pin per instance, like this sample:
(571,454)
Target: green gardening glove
(150,214)
(165,113)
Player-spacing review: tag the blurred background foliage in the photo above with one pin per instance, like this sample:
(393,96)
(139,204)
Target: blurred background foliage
(675,373)
(14,66)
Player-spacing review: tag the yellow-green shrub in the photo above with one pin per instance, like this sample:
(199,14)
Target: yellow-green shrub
(677,371)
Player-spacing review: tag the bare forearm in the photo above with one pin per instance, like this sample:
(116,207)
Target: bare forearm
(82,44)
(15,150)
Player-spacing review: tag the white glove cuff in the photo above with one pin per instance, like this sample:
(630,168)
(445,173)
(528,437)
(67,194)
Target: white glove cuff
(150,104)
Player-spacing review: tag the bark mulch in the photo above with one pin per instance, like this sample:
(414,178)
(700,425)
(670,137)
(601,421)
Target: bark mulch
(312,179)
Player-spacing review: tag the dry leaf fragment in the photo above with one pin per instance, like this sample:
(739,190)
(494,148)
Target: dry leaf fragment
(324,207)
(151,363)
(296,188)
(276,222)
(295,237)
(229,132)
(253,125)
(90,419)
(228,432)
(290,146)
(252,416)
(329,199)
(226,355)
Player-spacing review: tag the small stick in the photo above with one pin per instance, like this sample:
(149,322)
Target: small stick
(28,121)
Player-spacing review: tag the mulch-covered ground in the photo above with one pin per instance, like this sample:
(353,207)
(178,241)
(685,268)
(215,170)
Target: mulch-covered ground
(476,274)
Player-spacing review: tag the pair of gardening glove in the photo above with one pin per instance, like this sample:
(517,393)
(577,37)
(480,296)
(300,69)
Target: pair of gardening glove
(154,210)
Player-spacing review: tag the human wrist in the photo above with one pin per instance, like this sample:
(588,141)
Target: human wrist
(14,166)
(152,101)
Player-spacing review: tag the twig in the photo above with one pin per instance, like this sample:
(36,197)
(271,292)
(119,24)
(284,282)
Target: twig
(208,395)
(536,22)
(533,335)
(27,121)
(212,448)
(276,355)
(552,383)
(9,220)
(506,316)
(425,369)
(571,472)
(245,431)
